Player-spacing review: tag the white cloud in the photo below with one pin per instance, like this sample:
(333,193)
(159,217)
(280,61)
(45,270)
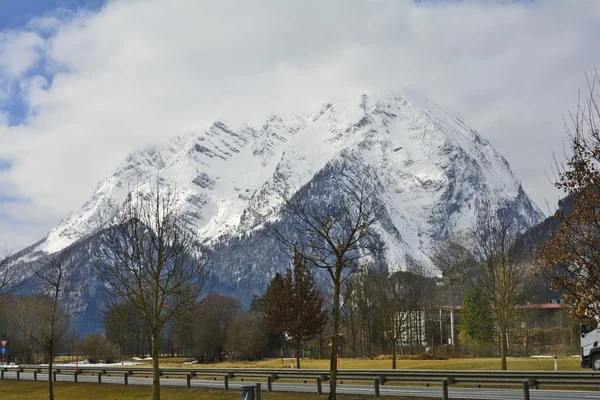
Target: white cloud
(47,24)
(19,50)
(138,72)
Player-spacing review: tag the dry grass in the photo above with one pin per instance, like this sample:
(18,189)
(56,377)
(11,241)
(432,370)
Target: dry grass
(567,363)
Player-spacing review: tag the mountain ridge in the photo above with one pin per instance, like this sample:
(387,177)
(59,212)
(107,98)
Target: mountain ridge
(431,170)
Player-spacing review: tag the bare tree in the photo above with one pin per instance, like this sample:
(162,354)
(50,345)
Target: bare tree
(453,259)
(500,272)
(8,273)
(212,322)
(390,308)
(50,308)
(97,347)
(125,326)
(334,236)
(151,260)
(570,258)
(399,294)
(18,326)
(248,336)
(361,310)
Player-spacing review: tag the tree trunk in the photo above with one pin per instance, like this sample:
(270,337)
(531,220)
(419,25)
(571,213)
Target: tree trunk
(334,338)
(298,353)
(453,322)
(394,353)
(503,347)
(410,332)
(50,381)
(527,335)
(155,370)
(321,344)
(453,330)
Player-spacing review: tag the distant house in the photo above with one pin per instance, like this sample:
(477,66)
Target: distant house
(436,325)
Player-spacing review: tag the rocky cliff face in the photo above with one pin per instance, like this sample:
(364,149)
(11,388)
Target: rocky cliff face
(431,172)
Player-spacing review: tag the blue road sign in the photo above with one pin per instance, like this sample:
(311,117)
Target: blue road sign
(3,350)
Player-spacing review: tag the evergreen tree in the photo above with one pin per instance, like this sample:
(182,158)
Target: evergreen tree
(293,304)
(475,321)
(273,305)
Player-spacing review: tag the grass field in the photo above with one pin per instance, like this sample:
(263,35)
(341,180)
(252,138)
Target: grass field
(566,363)
(19,390)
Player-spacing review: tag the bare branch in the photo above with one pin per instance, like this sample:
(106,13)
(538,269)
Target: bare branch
(150,260)
(336,234)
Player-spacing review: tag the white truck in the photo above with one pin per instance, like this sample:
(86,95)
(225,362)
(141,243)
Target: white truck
(590,347)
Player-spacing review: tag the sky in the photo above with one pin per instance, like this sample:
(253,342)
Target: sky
(83,83)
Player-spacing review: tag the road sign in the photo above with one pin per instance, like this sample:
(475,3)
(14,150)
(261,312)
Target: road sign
(3,350)
(4,342)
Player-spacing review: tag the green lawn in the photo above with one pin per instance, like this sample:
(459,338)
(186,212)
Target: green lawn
(19,390)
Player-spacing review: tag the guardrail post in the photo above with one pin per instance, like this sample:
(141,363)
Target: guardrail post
(528,381)
(258,392)
(525,390)
(18,375)
(445,389)
(2,374)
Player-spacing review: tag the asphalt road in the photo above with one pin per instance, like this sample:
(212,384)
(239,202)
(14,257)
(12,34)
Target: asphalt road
(408,391)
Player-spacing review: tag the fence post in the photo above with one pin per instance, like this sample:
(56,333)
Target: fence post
(99,377)
(54,376)
(319,386)
(126,378)
(376,387)
(525,390)
(445,389)
(258,392)
(188,379)
(226,382)
(269,383)
(35,375)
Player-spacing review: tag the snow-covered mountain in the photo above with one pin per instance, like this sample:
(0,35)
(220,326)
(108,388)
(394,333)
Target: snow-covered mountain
(431,169)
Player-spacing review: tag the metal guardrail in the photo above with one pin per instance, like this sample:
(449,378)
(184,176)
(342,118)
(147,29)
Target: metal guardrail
(526,379)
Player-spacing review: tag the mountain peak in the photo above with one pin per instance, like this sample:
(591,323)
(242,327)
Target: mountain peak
(431,171)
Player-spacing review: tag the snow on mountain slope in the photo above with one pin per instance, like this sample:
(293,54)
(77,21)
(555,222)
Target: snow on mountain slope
(432,169)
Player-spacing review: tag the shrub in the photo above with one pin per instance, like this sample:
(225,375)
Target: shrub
(97,348)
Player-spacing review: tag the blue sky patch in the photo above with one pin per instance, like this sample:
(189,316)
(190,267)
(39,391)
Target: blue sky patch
(16,13)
